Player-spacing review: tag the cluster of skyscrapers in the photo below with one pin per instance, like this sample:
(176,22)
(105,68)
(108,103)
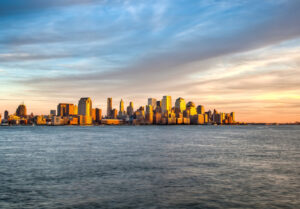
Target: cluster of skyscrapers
(160,112)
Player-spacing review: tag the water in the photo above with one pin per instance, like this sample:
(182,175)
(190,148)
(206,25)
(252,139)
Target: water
(150,167)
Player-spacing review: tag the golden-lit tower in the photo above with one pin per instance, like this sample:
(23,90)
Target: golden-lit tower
(180,105)
(149,114)
(192,108)
(85,107)
(166,104)
(233,116)
(109,107)
(85,111)
(121,112)
(64,109)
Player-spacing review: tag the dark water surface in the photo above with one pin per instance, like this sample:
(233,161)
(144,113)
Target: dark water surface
(150,167)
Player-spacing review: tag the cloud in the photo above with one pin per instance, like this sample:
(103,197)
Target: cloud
(281,26)
(19,6)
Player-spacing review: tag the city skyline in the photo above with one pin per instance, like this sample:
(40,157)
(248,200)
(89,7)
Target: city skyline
(155,112)
(236,56)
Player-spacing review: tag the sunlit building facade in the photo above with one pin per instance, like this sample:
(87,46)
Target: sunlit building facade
(180,105)
(166,104)
(121,111)
(191,108)
(64,109)
(85,110)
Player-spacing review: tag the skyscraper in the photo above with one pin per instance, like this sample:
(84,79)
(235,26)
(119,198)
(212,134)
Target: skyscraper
(152,102)
(180,105)
(130,109)
(85,106)
(233,116)
(121,111)
(6,114)
(21,111)
(192,108)
(109,107)
(98,115)
(85,110)
(114,114)
(166,104)
(64,109)
(200,109)
(149,114)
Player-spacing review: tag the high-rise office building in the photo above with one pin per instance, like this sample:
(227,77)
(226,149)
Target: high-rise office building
(21,111)
(200,109)
(121,111)
(152,102)
(130,109)
(94,114)
(109,107)
(64,109)
(192,108)
(75,110)
(232,116)
(180,105)
(85,106)
(158,106)
(149,114)
(85,111)
(6,114)
(166,104)
(114,114)
(98,115)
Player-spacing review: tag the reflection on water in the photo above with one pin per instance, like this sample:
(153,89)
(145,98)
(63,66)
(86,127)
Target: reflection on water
(150,167)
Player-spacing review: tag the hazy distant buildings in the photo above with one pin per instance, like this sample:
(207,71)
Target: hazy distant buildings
(21,111)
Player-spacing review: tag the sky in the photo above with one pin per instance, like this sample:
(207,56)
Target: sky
(231,55)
